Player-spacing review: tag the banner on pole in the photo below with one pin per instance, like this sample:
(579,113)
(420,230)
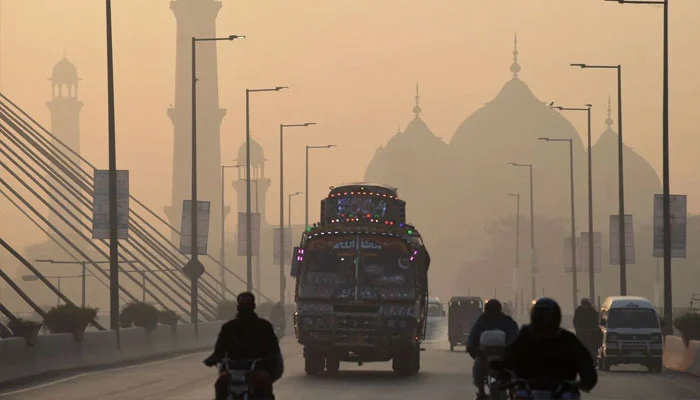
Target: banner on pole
(203,210)
(567,255)
(615,240)
(597,251)
(678,225)
(100,204)
(276,244)
(242,235)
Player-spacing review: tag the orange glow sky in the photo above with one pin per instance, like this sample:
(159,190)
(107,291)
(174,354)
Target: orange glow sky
(352,67)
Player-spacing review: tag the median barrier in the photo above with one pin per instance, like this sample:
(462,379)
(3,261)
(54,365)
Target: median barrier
(99,347)
(57,353)
(16,359)
(162,340)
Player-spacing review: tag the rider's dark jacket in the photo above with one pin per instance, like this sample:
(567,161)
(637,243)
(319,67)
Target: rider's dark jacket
(585,318)
(558,358)
(249,337)
(488,322)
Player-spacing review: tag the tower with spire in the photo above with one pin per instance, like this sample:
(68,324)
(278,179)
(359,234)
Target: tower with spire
(65,107)
(259,183)
(196,18)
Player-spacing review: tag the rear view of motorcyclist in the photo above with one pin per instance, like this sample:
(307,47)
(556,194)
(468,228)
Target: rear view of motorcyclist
(545,352)
(492,319)
(248,337)
(586,325)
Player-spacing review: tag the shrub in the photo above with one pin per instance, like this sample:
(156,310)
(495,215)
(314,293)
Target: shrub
(168,317)
(688,325)
(140,314)
(68,318)
(26,328)
(226,310)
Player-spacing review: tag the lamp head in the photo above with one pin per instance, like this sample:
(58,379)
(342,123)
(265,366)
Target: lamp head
(546,139)
(309,123)
(579,65)
(232,37)
(589,105)
(278,88)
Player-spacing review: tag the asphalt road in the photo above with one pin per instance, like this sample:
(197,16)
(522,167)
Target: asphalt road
(444,375)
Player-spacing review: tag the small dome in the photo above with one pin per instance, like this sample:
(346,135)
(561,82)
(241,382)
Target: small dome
(257,156)
(64,72)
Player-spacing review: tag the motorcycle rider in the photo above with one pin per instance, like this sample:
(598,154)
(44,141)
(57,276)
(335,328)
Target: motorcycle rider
(544,351)
(248,337)
(493,318)
(586,325)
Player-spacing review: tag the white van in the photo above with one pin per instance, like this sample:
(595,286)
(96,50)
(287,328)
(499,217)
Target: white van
(631,333)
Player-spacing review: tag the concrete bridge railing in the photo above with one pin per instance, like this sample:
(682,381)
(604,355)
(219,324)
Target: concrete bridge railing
(61,352)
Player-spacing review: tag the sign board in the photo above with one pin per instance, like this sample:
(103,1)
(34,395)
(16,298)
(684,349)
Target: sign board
(276,244)
(203,211)
(567,255)
(242,235)
(597,251)
(678,225)
(615,240)
(100,204)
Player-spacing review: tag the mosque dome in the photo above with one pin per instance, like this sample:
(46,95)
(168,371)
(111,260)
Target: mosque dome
(257,155)
(506,130)
(414,148)
(64,72)
(640,184)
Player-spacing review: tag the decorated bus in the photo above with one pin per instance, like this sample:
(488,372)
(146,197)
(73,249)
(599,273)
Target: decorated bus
(361,282)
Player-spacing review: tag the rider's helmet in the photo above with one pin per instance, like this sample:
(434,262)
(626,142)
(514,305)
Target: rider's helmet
(585,302)
(545,317)
(493,307)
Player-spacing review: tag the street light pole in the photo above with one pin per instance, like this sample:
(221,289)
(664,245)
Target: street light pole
(249,235)
(283,281)
(591,263)
(573,215)
(113,229)
(668,297)
(517,247)
(223,231)
(306,190)
(194,268)
(620,172)
(533,255)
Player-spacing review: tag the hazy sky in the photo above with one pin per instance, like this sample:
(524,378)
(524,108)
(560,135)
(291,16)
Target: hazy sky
(352,67)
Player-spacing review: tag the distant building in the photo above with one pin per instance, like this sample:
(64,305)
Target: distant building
(456,192)
(196,18)
(65,122)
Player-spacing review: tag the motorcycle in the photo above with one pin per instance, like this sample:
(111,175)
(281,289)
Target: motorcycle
(492,345)
(520,389)
(239,372)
